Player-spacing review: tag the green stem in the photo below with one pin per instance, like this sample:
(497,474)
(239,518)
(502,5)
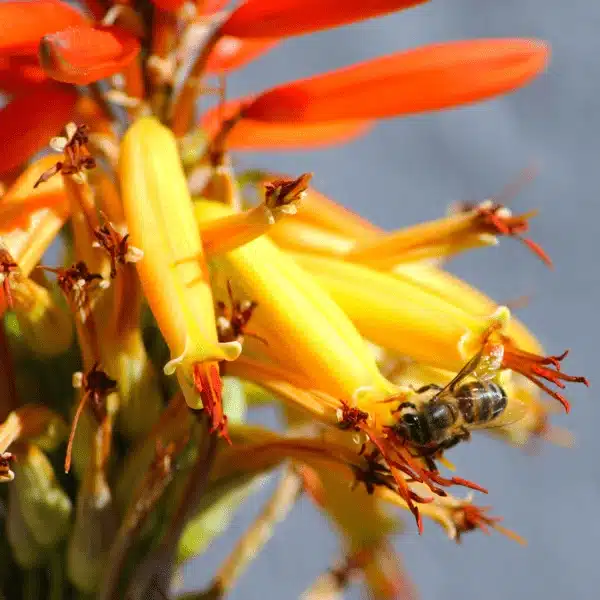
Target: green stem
(56,575)
(31,585)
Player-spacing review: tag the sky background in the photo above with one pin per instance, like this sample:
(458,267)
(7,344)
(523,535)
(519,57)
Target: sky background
(410,170)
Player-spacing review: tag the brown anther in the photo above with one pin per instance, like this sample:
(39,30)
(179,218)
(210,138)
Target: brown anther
(497,220)
(232,320)
(8,269)
(114,244)
(469,517)
(350,417)
(96,386)
(537,368)
(74,281)
(77,157)
(286,191)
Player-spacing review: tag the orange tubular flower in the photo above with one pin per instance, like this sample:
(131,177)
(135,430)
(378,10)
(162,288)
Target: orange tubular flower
(18,73)
(30,120)
(232,53)
(26,21)
(284,18)
(82,55)
(425,79)
(247,134)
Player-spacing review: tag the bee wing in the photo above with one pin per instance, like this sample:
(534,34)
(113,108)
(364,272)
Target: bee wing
(514,412)
(467,370)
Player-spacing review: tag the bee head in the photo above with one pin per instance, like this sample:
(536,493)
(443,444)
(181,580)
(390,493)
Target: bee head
(412,424)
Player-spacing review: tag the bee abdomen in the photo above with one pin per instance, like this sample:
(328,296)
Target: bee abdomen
(479,403)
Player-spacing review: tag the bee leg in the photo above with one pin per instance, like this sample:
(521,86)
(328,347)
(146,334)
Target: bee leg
(426,388)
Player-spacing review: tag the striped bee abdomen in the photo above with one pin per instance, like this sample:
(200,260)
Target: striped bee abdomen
(480,403)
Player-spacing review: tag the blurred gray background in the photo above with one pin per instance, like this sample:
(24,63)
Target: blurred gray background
(409,170)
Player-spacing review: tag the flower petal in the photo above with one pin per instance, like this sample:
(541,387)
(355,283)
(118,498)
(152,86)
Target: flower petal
(424,79)
(281,18)
(30,20)
(29,121)
(248,134)
(82,55)
(232,53)
(17,73)
(168,5)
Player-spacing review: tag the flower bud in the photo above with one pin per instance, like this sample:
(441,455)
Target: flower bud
(27,552)
(45,506)
(93,532)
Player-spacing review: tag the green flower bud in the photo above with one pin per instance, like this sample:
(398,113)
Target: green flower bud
(45,506)
(26,550)
(94,530)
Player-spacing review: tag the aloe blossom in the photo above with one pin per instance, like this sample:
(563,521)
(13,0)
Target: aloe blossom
(185,293)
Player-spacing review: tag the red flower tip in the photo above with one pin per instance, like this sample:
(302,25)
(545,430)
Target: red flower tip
(537,368)
(26,21)
(82,55)
(232,53)
(29,121)
(424,79)
(284,18)
(208,384)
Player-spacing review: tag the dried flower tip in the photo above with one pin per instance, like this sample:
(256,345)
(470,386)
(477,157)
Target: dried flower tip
(537,368)
(6,472)
(283,194)
(96,385)
(8,270)
(116,246)
(350,417)
(468,517)
(75,282)
(231,321)
(77,155)
(499,220)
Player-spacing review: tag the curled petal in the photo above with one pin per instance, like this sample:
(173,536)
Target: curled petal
(82,55)
(30,120)
(424,79)
(283,18)
(18,73)
(31,19)
(232,53)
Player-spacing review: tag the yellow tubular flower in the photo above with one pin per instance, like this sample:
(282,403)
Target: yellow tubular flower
(298,320)
(160,219)
(398,315)
(234,230)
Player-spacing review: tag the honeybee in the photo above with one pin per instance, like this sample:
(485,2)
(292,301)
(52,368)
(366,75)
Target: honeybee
(470,401)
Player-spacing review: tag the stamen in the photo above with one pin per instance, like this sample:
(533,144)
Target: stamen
(96,385)
(498,220)
(77,156)
(537,368)
(208,384)
(469,517)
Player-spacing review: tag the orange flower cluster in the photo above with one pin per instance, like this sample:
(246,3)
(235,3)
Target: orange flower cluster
(190,302)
